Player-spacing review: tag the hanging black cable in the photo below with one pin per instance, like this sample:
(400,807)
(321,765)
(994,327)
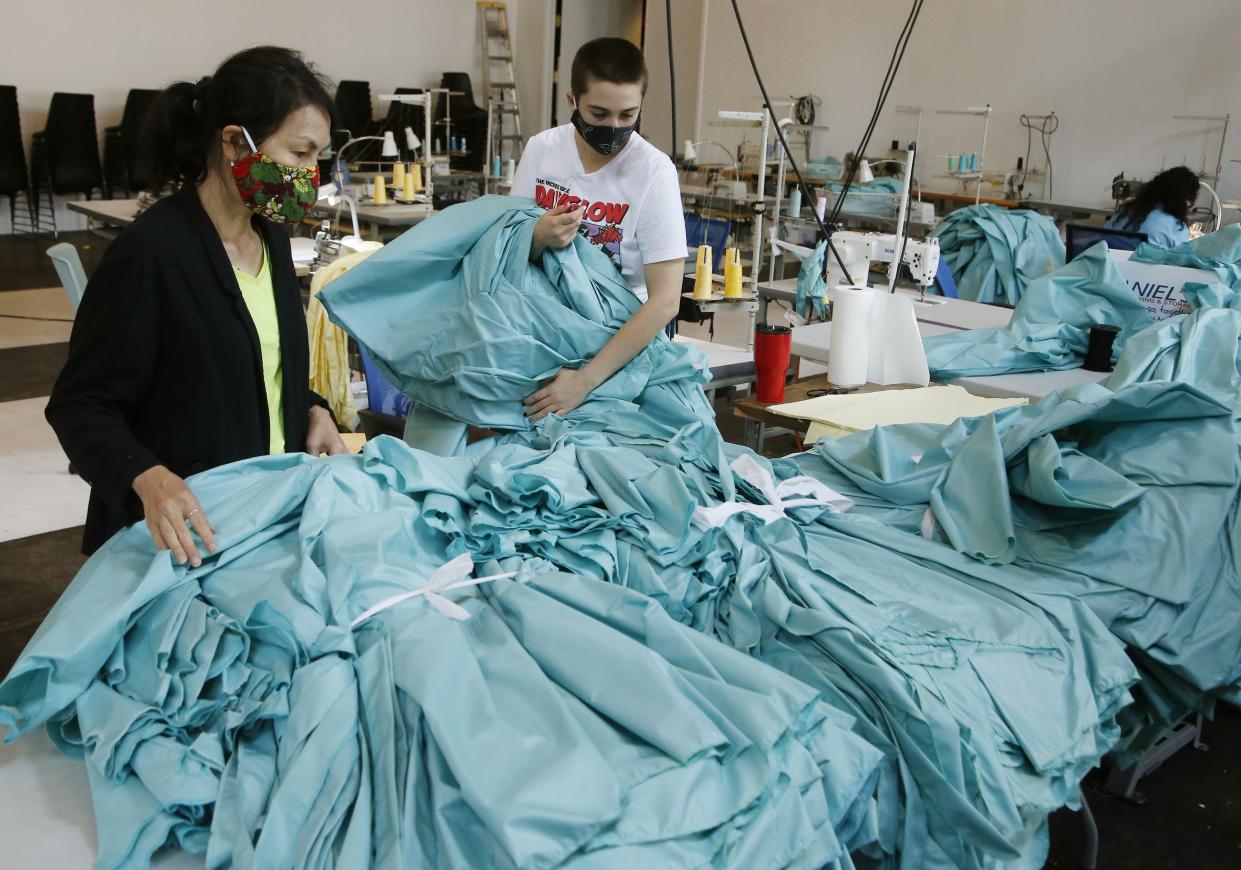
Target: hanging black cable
(672,78)
(884,88)
(801,182)
(556,32)
(898,54)
(1047,125)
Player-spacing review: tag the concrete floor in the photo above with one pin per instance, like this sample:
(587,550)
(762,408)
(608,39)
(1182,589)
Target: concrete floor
(1192,817)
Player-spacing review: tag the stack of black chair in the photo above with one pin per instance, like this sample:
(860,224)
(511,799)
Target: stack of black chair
(353,119)
(64,155)
(468,122)
(14,178)
(121,158)
(402,115)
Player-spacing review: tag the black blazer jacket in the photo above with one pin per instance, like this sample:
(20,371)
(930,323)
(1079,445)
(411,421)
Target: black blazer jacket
(164,362)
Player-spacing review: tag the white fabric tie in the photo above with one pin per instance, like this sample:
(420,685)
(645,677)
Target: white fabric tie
(449,576)
(795,492)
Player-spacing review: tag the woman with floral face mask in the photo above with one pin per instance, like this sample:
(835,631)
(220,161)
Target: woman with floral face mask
(189,348)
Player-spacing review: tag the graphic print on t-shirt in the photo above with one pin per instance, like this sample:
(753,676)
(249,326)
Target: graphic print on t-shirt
(601,224)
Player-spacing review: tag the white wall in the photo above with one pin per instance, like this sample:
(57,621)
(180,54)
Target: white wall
(1114,71)
(686,37)
(532,43)
(106,49)
(584,20)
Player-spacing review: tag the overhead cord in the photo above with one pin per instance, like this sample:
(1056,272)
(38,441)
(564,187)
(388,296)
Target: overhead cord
(1048,124)
(894,63)
(801,182)
(898,54)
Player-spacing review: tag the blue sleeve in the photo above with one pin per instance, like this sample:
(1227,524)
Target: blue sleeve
(1164,230)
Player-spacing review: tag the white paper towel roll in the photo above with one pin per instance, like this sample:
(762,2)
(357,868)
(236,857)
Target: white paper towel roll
(848,359)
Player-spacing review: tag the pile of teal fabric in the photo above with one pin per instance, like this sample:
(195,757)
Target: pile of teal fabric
(1218,252)
(676,653)
(1180,382)
(821,169)
(994,252)
(240,709)
(876,197)
(1051,324)
(1122,497)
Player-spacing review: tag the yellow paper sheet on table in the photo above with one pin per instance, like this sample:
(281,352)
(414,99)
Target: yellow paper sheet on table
(837,416)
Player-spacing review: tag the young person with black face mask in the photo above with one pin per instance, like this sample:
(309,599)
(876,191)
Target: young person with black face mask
(189,349)
(597,177)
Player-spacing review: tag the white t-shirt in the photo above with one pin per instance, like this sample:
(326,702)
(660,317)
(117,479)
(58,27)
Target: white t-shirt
(633,204)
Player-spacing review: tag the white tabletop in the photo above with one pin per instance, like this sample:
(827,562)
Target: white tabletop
(1029,385)
(814,341)
(48,820)
(118,212)
(958,313)
(720,355)
(392,214)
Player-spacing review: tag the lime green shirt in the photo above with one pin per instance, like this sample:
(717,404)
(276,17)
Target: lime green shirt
(260,300)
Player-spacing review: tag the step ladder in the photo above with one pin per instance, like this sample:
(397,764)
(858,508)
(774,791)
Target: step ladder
(504,136)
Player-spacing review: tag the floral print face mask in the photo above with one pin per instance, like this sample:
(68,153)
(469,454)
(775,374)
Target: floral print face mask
(273,191)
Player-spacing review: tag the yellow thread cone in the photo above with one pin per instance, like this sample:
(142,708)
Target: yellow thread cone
(380,194)
(415,172)
(398,174)
(702,273)
(732,274)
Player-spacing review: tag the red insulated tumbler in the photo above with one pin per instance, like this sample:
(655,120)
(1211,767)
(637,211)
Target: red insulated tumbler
(771,360)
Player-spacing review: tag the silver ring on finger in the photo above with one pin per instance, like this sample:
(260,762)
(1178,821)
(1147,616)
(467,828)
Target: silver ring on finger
(190,515)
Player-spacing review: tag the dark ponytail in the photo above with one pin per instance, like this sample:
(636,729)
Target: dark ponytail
(1171,190)
(257,89)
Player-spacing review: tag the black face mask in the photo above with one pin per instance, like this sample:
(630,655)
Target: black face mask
(605,140)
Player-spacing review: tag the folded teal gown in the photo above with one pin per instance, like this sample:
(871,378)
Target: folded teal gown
(994,253)
(700,659)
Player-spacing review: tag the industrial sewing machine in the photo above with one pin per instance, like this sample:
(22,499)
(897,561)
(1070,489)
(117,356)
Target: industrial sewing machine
(859,250)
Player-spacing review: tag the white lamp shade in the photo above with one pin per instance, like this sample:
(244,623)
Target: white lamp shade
(390,149)
(691,153)
(860,170)
(412,142)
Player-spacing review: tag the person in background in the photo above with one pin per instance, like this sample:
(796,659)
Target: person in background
(596,176)
(1161,208)
(189,350)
